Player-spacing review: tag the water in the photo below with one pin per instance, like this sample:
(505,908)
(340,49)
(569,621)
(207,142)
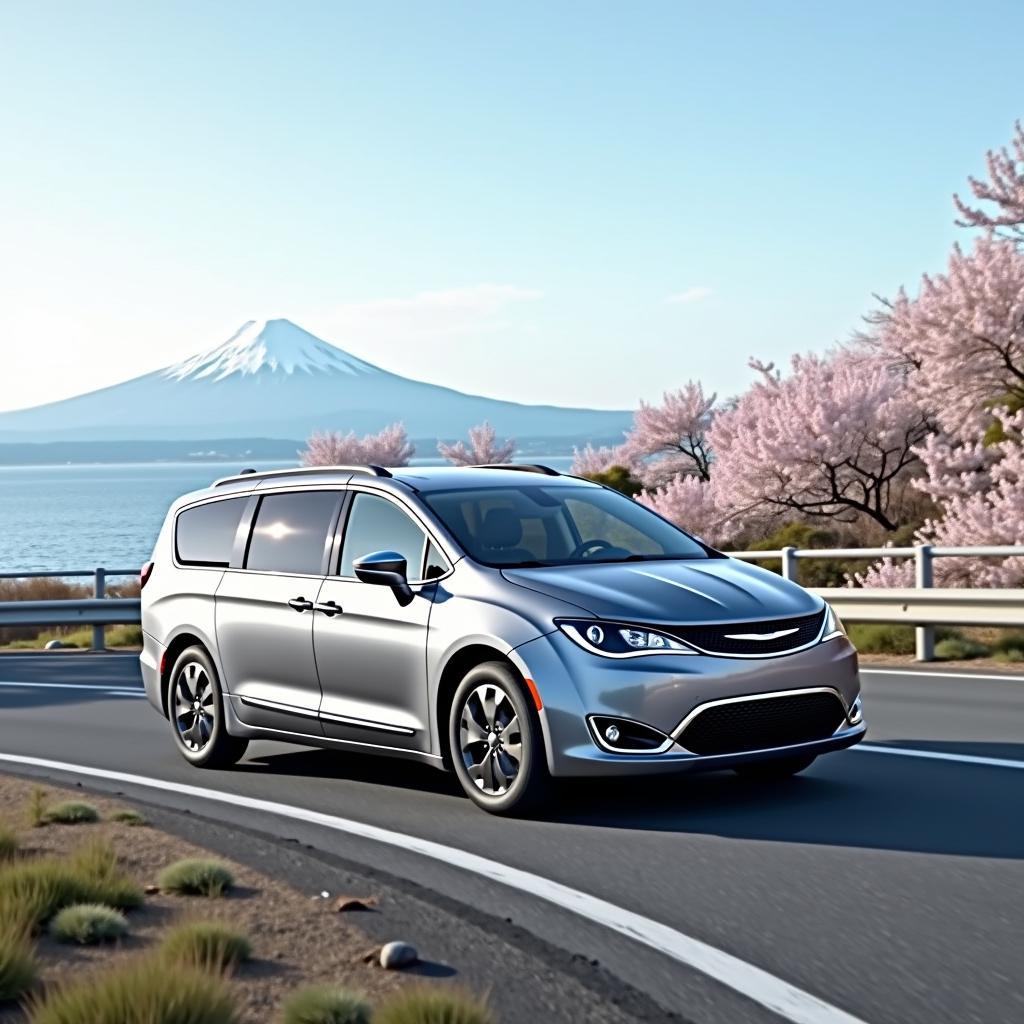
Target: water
(78,517)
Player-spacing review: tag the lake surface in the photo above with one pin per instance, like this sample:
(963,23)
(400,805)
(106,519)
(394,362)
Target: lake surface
(79,517)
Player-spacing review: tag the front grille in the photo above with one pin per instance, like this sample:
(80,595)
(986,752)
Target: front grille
(760,723)
(715,638)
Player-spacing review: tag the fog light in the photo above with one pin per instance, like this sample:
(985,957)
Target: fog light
(612,734)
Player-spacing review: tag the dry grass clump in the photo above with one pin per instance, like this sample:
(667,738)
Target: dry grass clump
(206,944)
(88,924)
(434,1006)
(196,877)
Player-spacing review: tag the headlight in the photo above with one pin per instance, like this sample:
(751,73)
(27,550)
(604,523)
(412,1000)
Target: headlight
(619,640)
(833,625)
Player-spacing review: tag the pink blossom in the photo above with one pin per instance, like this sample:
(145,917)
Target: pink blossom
(690,502)
(1004,189)
(389,447)
(483,449)
(834,438)
(962,338)
(590,461)
(671,438)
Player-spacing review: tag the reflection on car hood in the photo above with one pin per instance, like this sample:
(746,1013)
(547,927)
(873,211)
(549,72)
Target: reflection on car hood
(694,590)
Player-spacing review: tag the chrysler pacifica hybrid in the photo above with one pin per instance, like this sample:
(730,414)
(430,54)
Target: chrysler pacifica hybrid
(510,623)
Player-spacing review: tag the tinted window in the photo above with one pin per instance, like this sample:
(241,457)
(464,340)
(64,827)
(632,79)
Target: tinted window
(291,530)
(205,534)
(376,524)
(558,525)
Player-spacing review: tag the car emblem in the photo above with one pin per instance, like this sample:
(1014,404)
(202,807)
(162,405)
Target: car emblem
(760,636)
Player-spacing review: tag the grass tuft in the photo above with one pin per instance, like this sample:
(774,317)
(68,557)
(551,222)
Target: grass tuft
(206,944)
(88,924)
(37,807)
(882,638)
(956,648)
(196,877)
(325,1004)
(434,1006)
(129,817)
(8,843)
(17,962)
(142,992)
(32,892)
(71,812)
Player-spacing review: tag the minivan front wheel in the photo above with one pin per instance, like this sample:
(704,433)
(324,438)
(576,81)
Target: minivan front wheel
(196,710)
(496,746)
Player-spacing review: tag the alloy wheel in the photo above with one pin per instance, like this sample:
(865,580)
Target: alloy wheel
(490,739)
(195,706)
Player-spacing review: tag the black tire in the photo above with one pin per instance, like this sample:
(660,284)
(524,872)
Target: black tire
(776,769)
(485,763)
(198,723)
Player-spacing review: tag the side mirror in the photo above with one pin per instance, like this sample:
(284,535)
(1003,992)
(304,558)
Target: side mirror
(386,569)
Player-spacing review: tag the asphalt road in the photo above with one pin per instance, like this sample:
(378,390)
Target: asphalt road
(890,886)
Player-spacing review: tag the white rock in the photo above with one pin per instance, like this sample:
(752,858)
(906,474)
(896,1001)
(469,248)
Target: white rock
(396,955)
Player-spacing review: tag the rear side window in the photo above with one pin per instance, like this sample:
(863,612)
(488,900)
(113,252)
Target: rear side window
(205,534)
(291,532)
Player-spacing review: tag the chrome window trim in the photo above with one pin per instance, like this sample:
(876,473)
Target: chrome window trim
(748,698)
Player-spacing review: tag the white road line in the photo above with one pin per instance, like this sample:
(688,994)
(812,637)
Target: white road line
(119,691)
(937,755)
(866,670)
(776,995)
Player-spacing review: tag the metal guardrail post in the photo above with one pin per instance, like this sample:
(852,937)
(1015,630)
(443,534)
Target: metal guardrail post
(924,578)
(99,589)
(789,563)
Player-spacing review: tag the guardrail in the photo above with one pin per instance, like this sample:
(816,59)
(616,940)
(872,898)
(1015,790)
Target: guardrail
(939,607)
(922,606)
(97,611)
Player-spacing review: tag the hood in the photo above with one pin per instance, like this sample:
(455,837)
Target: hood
(690,591)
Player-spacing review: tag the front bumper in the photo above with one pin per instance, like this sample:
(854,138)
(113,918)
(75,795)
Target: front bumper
(664,691)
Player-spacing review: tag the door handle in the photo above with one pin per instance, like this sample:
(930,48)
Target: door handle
(328,608)
(300,604)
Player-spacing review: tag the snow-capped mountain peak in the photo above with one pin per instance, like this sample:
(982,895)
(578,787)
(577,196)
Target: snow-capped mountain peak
(275,346)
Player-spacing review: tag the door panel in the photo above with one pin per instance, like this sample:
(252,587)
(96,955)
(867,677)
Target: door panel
(372,662)
(266,649)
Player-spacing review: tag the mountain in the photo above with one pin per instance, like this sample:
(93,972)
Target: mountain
(272,379)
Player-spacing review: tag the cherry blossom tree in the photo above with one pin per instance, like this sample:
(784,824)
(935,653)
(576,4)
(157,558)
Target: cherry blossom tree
(690,502)
(671,438)
(483,449)
(962,337)
(980,490)
(835,438)
(1004,190)
(591,461)
(389,447)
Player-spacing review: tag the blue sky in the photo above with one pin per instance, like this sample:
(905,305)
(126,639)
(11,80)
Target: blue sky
(581,203)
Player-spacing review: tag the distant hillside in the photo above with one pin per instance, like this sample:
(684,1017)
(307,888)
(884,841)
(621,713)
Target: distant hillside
(274,380)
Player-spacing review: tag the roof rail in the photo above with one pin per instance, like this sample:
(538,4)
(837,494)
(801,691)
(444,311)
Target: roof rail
(252,474)
(520,468)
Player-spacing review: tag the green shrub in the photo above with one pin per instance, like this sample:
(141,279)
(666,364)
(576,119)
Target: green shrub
(88,923)
(882,638)
(324,1004)
(8,843)
(433,1006)
(31,892)
(196,878)
(17,962)
(958,648)
(206,944)
(71,812)
(1009,646)
(619,478)
(128,817)
(142,992)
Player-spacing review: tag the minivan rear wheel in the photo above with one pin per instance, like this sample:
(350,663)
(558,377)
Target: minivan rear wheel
(195,707)
(494,735)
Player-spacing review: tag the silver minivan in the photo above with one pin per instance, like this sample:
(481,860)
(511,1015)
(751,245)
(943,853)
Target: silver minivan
(509,623)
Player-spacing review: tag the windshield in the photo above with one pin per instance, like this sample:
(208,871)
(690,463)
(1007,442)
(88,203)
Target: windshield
(552,524)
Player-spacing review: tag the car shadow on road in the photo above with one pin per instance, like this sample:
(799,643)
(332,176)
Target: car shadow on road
(853,799)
